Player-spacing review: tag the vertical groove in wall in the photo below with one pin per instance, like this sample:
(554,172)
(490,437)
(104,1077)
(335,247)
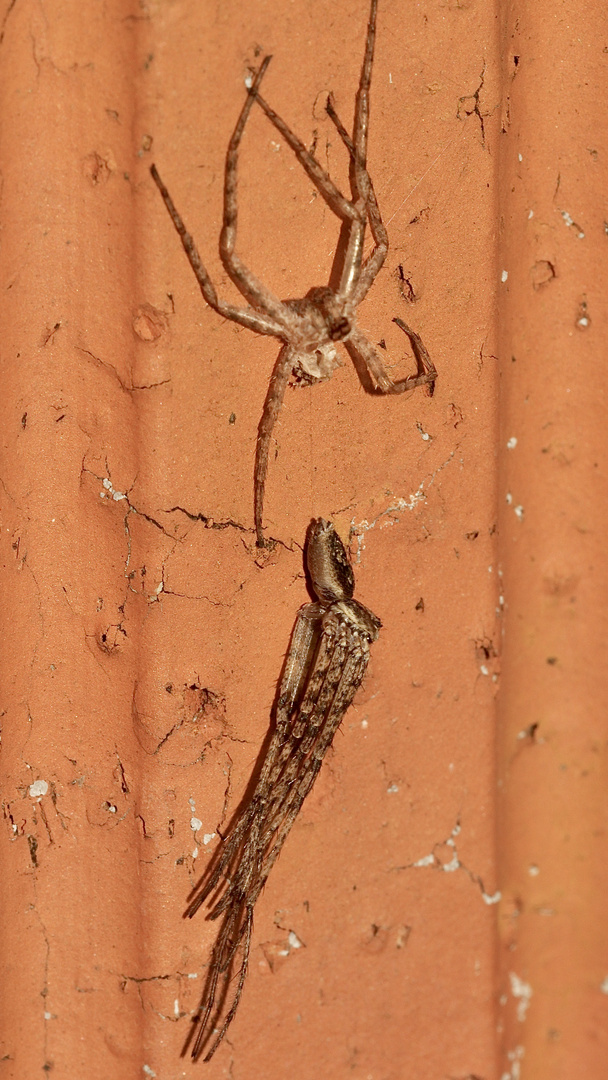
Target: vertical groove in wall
(553,499)
(143,632)
(69,886)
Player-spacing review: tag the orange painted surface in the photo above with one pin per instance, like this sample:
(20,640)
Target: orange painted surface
(143,633)
(552,500)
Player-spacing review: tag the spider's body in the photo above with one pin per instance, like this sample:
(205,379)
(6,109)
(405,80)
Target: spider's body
(309,327)
(327,659)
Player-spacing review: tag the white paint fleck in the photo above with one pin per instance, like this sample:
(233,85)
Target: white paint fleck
(192,975)
(38,789)
(570,221)
(504,275)
(248,80)
(534,870)
(483,669)
(208,837)
(530,214)
(148,1071)
(392,789)
(519,157)
(192,804)
(427,860)
(508,498)
(195,824)
(176,1007)
(514,1057)
(583,322)
(522,992)
(48,1016)
(294,941)
(519,512)
(107,484)
(491,899)
(452,865)
(364,725)
(195,853)
(159,588)
(511,443)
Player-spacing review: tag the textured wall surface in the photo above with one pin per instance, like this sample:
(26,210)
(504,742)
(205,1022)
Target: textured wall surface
(142,631)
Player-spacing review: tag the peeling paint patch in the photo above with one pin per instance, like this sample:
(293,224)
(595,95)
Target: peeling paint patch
(522,992)
(110,492)
(514,1056)
(38,789)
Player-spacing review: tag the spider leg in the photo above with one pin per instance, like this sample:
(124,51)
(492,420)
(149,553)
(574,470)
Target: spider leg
(362,276)
(341,206)
(266,799)
(272,407)
(253,320)
(361,124)
(246,282)
(239,989)
(321,686)
(235,934)
(295,669)
(305,773)
(371,369)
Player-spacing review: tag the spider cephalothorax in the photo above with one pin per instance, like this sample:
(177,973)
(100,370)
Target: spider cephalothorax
(311,326)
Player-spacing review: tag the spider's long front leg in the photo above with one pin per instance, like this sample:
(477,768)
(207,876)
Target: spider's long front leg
(235,934)
(360,281)
(302,776)
(321,686)
(253,320)
(246,282)
(272,407)
(295,670)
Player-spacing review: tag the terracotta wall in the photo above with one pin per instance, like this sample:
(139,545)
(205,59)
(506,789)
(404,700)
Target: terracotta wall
(142,631)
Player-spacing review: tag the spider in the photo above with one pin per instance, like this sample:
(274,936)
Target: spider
(309,327)
(324,667)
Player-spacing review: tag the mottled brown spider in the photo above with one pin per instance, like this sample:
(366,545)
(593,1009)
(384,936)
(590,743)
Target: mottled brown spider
(312,326)
(327,659)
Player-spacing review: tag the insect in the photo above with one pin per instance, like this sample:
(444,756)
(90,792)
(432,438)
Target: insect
(324,667)
(309,327)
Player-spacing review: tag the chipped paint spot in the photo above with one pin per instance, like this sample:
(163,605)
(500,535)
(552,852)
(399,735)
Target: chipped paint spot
(522,992)
(38,789)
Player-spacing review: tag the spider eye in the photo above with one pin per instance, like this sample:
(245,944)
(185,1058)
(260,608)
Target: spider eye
(339,329)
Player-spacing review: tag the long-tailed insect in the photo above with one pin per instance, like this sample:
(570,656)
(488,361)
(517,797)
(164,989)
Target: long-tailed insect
(324,667)
(309,327)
